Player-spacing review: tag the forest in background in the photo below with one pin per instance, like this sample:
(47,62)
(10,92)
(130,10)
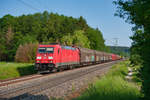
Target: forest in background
(20,35)
(120,50)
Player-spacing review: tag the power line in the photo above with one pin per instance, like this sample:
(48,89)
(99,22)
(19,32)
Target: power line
(110,41)
(39,3)
(116,41)
(28,5)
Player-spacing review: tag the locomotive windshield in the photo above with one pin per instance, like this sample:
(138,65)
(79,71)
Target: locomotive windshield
(46,50)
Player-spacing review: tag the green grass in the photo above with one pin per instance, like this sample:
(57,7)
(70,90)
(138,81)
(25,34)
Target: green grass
(12,70)
(113,86)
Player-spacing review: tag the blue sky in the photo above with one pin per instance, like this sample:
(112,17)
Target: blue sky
(98,13)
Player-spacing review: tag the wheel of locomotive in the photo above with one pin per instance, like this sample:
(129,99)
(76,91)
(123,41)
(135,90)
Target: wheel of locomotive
(71,67)
(54,70)
(50,67)
(60,69)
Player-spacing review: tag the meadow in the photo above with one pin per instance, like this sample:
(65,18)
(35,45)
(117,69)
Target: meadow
(10,70)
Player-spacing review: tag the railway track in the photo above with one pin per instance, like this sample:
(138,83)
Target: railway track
(36,87)
(25,78)
(20,79)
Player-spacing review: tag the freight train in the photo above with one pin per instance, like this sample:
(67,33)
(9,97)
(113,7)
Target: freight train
(58,57)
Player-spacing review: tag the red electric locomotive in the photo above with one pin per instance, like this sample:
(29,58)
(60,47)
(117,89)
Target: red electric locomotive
(53,56)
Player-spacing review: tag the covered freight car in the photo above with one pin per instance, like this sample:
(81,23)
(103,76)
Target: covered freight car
(99,56)
(87,56)
(115,57)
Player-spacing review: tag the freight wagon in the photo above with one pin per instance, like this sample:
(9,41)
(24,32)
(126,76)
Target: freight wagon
(57,57)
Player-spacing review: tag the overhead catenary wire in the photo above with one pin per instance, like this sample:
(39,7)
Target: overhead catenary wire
(40,3)
(28,5)
(114,41)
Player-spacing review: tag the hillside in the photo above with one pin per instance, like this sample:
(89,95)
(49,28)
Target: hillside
(121,50)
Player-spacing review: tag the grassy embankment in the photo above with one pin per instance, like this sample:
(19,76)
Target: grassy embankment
(13,70)
(113,86)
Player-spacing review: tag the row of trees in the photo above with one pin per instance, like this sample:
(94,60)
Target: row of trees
(45,28)
(137,12)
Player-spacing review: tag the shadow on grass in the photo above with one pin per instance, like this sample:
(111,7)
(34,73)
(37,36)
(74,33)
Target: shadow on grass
(26,70)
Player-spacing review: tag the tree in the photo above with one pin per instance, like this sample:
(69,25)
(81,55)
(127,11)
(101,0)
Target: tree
(96,39)
(137,12)
(78,39)
(9,53)
(26,53)
(2,47)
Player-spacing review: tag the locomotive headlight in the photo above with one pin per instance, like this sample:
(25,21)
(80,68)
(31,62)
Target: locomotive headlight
(50,57)
(38,57)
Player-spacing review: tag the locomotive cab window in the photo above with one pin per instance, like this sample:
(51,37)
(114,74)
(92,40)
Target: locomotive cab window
(41,50)
(50,50)
(46,50)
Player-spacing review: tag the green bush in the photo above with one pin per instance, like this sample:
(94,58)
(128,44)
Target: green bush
(26,53)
